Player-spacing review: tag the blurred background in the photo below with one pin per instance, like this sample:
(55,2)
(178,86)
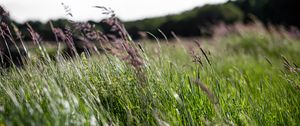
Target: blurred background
(192,18)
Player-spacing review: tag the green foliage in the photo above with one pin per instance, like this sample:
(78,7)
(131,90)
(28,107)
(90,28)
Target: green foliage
(277,12)
(239,87)
(189,23)
(227,13)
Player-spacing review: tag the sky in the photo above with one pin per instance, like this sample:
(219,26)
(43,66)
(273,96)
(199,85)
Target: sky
(82,10)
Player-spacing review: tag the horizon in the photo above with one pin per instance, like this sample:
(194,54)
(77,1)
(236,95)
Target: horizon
(130,10)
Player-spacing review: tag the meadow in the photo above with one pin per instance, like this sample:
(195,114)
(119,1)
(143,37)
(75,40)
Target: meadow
(247,77)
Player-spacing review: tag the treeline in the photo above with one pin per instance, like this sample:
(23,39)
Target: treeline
(277,12)
(196,22)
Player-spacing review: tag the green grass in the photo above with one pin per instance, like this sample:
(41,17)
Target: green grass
(246,84)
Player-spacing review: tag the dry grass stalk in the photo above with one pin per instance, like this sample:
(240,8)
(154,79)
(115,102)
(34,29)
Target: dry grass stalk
(205,89)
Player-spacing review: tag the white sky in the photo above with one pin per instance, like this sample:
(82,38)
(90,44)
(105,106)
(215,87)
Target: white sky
(22,10)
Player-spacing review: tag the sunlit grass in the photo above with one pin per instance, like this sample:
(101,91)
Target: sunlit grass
(246,84)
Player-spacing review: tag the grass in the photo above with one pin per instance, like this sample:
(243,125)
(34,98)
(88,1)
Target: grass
(247,83)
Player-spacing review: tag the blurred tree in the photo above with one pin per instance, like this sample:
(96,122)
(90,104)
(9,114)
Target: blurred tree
(282,12)
(189,23)
(201,19)
(285,12)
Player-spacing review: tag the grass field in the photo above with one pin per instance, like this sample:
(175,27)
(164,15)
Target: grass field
(245,78)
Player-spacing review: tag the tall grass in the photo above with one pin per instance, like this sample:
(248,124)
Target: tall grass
(245,83)
(250,77)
